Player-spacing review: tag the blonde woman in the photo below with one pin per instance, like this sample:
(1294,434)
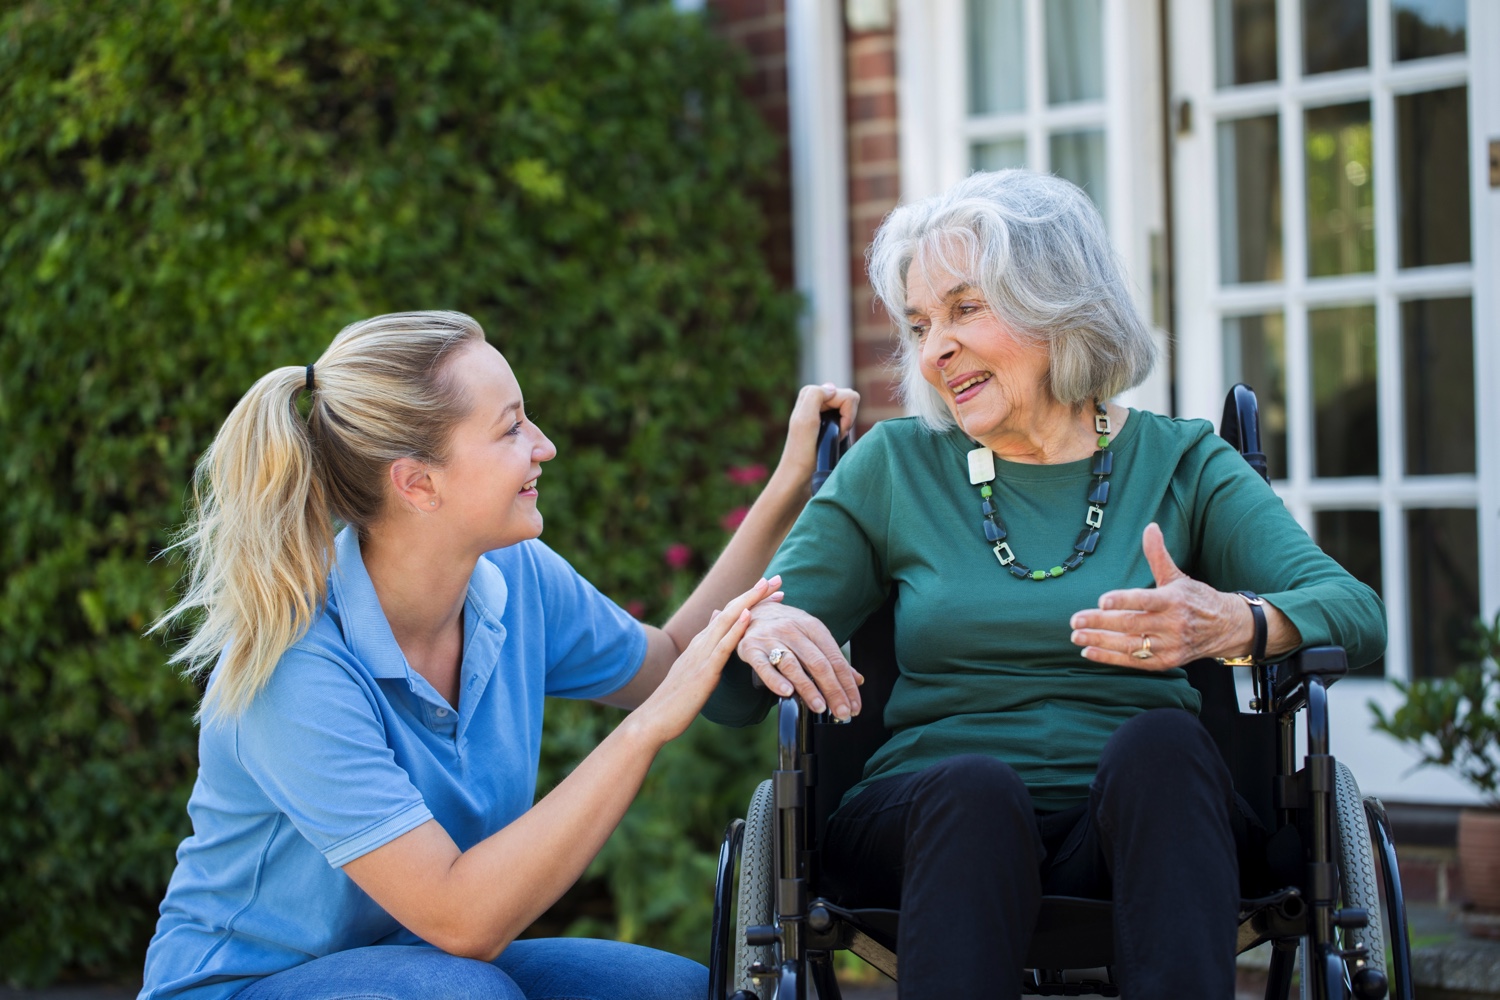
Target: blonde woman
(363,823)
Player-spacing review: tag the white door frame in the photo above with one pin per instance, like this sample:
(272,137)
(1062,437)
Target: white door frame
(1383,767)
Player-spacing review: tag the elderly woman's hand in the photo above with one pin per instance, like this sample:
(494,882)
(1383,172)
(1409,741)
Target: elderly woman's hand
(809,662)
(1179,621)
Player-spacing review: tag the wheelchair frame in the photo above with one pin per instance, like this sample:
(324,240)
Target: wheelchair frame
(1076,934)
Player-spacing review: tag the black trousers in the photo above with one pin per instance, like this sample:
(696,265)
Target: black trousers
(961,851)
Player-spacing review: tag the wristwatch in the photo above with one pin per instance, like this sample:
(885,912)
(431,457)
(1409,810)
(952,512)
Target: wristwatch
(1258,644)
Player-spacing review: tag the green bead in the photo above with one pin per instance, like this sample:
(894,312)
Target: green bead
(1104,440)
(985,491)
(1039,574)
(1056,571)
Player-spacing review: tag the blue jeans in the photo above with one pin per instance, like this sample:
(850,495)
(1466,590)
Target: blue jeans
(535,969)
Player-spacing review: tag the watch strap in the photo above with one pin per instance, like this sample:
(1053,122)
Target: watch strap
(1258,642)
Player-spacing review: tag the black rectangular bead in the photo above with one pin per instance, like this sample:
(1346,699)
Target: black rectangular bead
(1100,493)
(987,508)
(1087,539)
(1018,571)
(1074,561)
(994,532)
(1103,463)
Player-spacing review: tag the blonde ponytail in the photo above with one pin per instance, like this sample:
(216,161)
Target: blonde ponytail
(259,535)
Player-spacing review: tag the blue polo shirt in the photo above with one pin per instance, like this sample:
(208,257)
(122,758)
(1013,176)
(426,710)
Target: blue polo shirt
(347,748)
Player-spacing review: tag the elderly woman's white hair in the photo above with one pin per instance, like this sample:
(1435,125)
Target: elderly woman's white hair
(1036,247)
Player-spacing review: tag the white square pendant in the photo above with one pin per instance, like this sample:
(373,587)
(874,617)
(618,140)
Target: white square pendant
(981,466)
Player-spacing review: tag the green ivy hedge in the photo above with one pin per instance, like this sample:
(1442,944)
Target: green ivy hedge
(194,193)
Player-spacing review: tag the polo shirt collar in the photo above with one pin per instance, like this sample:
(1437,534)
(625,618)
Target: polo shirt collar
(366,632)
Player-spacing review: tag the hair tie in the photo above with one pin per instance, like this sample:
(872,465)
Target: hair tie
(309,378)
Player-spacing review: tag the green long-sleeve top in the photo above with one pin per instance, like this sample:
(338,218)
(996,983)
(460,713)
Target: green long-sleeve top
(986,662)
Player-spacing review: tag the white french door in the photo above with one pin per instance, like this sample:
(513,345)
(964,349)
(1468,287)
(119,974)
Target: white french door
(1335,246)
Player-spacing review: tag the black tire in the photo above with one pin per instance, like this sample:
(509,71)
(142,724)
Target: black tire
(753,902)
(1359,880)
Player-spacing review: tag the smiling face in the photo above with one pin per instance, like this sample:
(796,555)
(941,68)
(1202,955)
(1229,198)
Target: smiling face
(994,381)
(487,489)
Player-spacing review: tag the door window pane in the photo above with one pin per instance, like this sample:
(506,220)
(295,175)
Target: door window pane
(1245,39)
(1079,157)
(998,155)
(1352,538)
(1340,190)
(1335,35)
(1423,28)
(1255,354)
(997,56)
(1075,51)
(1443,567)
(1346,438)
(1250,199)
(1432,153)
(1437,351)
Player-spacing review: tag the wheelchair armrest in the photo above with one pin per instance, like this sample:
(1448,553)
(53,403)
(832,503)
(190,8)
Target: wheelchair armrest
(1289,678)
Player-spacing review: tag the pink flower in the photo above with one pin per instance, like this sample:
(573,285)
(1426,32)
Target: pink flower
(746,475)
(678,555)
(636,609)
(734,518)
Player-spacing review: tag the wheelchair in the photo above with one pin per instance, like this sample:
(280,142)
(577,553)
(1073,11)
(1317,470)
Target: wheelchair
(1339,910)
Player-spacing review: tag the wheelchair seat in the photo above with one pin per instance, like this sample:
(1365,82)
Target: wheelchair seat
(1323,846)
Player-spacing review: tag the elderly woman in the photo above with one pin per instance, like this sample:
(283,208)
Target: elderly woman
(1056,559)
(363,823)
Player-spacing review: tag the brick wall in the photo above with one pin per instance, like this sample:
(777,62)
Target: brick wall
(874,188)
(758,27)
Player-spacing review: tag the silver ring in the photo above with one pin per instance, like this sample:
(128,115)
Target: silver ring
(775,656)
(1144,653)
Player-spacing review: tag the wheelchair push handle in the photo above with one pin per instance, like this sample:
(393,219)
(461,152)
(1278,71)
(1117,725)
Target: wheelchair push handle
(831,447)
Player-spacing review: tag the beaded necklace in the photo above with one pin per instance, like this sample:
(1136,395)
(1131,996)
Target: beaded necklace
(982,474)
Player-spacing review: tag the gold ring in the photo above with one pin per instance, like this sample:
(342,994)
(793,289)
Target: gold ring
(1144,653)
(775,656)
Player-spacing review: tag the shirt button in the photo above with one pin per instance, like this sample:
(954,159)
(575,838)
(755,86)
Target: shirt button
(442,713)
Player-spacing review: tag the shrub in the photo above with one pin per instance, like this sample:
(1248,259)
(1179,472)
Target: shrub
(195,193)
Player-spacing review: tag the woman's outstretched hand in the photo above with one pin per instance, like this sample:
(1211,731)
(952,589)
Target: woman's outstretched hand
(681,694)
(1183,619)
(798,456)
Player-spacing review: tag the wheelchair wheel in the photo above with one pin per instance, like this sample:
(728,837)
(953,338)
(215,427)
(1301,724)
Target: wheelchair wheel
(757,877)
(1358,878)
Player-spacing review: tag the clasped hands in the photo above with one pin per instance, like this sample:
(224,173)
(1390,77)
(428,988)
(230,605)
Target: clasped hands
(1183,619)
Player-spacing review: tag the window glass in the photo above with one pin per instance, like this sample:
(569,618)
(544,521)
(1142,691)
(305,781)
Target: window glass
(1340,190)
(1432,155)
(997,56)
(1335,35)
(1422,28)
(1255,354)
(1079,157)
(1442,563)
(1075,51)
(1346,435)
(1352,538)
(1249,152)
(1437,373)
(999,154)
(1245,42)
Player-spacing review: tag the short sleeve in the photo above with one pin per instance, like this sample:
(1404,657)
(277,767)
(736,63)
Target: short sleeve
(315,744)
(593,646)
